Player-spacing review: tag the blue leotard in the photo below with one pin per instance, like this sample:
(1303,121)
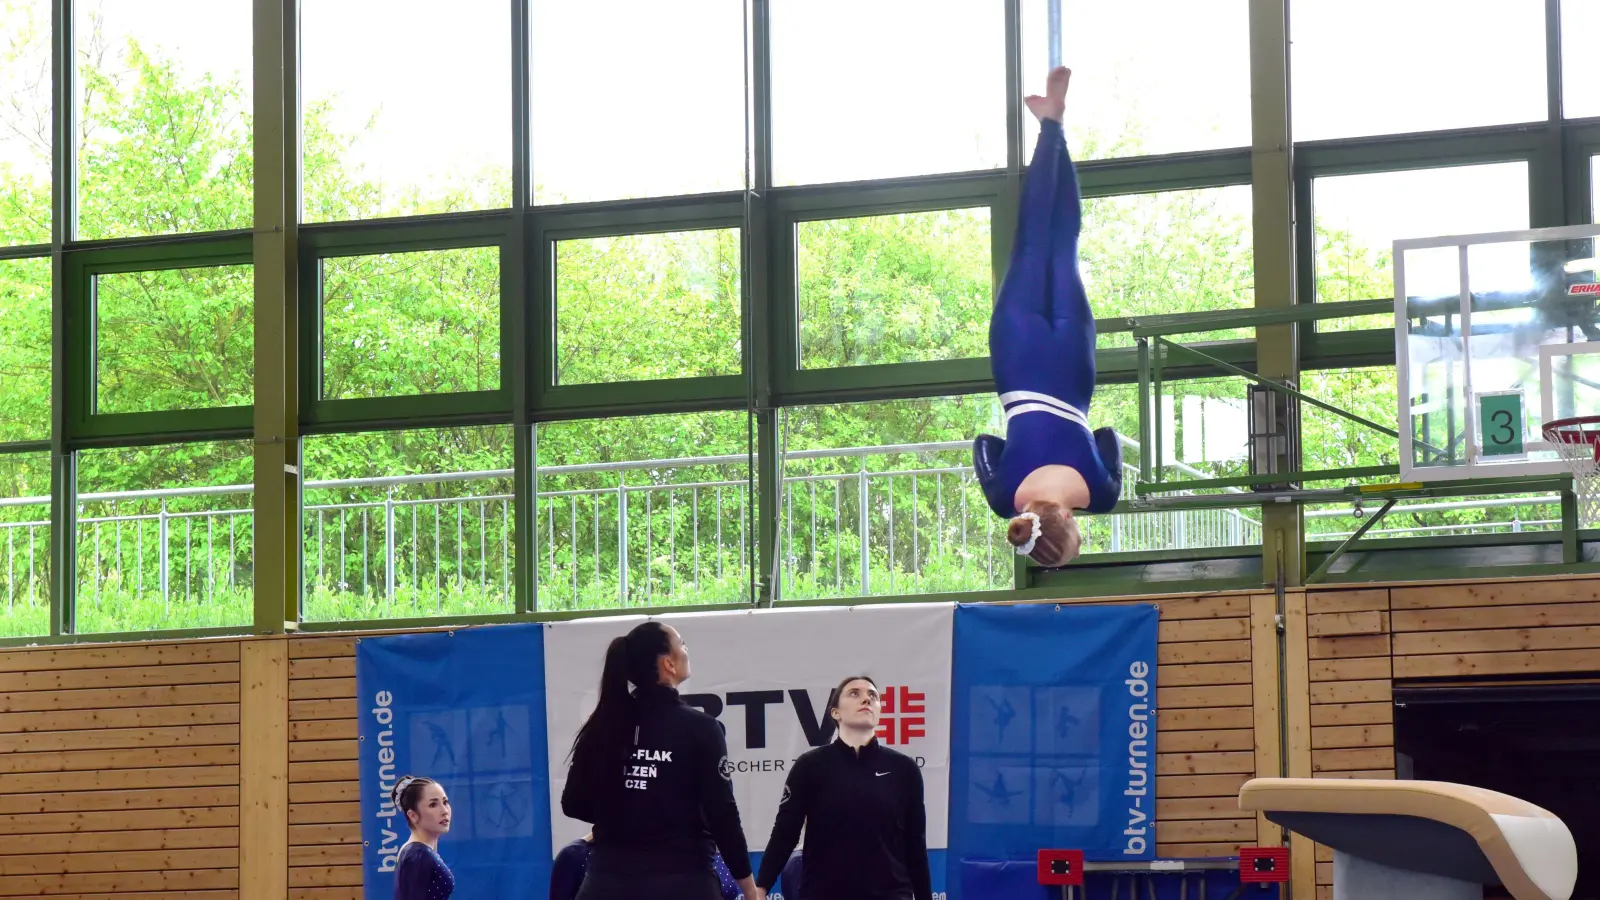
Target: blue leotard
(1041,346)
(419,874)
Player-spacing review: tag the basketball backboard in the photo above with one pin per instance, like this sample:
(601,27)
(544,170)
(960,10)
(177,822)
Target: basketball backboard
(1495,334)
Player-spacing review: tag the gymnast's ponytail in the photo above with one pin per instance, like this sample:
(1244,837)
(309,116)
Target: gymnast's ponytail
(603,741)
(1047,533)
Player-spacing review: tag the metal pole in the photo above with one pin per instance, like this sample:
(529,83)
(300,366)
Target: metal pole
(1055,33)
(622,542)
(166,582)
(838,541)
(813,565)
(1145,427)
(388,545)
(914,535)
(787,555)
(861,530)
(890,482)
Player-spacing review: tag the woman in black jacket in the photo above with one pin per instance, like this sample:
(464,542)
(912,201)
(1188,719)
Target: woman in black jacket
(861,805)
(647,771)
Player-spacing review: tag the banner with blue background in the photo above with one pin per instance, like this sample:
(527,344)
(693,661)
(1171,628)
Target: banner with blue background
(467,709)
(1034,726)
(1052,738)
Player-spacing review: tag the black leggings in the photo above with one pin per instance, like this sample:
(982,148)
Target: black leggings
(609,886)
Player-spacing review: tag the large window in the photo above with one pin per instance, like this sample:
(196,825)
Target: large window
(1580,22)
(24,350)
(883,90)
(164,108)
(645,511)
(1328,441)
(656,108)
(623,304)
(647,306)
(407,524)
(165,538)
(1368,67)
(879,498)
(424,322)
(1170,252)
(898,288)
(1359,217)
(25,112)
(1198,432)
(1149,76)
(174,339)
(24,545)
(406,109)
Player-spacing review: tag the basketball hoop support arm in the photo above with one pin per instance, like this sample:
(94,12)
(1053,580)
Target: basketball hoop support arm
(1150,381)
(1343,548)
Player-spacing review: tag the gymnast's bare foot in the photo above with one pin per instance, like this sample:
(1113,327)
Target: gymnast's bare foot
(1053,105)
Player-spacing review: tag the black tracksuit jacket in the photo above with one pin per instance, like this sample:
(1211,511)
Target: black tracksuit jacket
(671,804)
(865,824)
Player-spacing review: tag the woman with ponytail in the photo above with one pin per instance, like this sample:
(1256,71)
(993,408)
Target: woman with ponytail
(650,773)
(419,873)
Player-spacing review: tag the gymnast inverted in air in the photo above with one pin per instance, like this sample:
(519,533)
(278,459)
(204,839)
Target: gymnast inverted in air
(1041,346)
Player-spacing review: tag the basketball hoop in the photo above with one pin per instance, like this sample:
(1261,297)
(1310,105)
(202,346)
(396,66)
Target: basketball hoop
(1577,442)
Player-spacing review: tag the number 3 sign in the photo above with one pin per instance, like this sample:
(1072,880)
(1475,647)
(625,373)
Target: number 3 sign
(1500,422)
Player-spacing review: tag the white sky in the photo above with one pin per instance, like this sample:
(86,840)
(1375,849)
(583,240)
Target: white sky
(1181,68)
(1580,84)
(645,97)
(1365,67)
(1425,203)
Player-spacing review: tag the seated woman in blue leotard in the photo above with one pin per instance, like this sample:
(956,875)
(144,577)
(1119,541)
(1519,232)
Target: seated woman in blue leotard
(1041,347)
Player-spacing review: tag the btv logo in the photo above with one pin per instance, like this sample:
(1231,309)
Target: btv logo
(904,715)
(909,714)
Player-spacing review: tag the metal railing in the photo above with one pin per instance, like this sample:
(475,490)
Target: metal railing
(855,522)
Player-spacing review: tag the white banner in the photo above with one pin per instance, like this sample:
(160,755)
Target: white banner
(766,675)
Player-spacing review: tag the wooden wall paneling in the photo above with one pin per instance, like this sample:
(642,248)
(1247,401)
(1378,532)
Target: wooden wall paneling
(264,785)
(1297,698)
(324,823)
(1207,729)
(1267,704)
(120,770)
(1351,666)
